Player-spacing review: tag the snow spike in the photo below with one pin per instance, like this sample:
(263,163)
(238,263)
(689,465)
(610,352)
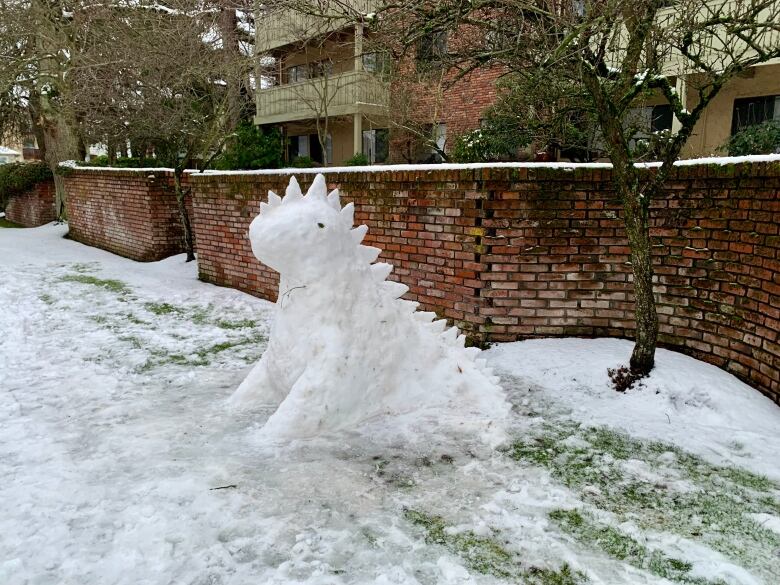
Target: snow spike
(425,316)
(293,192)
(438,326)
(348,214)
(461,341)
(494,379)
(274,199)
(369,254)
(359,233)
(473,352)
(264,207)
(333,200)
(319,188)
(411,306)
(480,363)
(396,289)
(381,271)
(450,335)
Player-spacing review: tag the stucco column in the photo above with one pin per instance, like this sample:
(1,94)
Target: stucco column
(358,47)
(357,136)
(681,87)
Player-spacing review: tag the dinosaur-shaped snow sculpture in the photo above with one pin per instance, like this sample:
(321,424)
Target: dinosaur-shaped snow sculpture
(344,348)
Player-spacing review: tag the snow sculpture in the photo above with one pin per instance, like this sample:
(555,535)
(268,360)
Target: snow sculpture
(344,348)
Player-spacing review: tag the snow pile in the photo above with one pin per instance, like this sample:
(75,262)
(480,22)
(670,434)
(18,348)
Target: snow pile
(344,347)
(683,401)
(114,473)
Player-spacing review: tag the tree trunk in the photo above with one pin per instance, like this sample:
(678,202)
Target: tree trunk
(185,216)
(61,144)
(636,215)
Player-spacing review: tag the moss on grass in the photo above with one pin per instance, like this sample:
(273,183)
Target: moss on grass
(4,223)
(587,530)
(115,286)
(486,555)
(687,496)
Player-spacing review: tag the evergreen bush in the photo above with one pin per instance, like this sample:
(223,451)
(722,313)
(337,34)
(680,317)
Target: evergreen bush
(758,139)
(17,178)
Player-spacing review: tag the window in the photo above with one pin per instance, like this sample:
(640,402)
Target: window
(376,145)
(297,73)
(754,111)
(376,63)
(298,146)
(661,118)
(431,49)
(440,138)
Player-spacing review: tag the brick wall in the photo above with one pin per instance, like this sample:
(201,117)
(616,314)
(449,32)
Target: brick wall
(129,212)
(33,208)
(514,253)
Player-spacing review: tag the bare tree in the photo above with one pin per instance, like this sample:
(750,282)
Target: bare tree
(40,46)
(173,90)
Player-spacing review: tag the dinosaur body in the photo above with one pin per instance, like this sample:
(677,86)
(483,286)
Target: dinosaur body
(344,347)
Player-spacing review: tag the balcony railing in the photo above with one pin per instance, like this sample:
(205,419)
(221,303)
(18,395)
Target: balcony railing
(283,27)
(354,92)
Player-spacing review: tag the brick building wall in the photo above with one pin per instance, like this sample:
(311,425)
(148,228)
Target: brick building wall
(33,208)
(129,212)
(437,98)
(527,251)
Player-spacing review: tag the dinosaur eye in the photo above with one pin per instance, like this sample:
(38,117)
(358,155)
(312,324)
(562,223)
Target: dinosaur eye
(320,225)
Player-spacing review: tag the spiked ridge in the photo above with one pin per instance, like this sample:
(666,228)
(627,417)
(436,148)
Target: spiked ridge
(328,276)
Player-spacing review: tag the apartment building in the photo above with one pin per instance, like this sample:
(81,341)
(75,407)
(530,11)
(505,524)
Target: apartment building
(321,88)
(324,88)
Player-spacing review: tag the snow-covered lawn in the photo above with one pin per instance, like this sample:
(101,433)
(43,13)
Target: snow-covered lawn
(119,462)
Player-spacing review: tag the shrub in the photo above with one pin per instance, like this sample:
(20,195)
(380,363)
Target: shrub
(759,139)
(17,178)
(489,144)
(130,162)
(303,162)
(252,149)
(357,160)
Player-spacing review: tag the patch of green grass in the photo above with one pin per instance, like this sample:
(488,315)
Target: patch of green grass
(241,324)
(486,555)
(135,320)
(4,223)
(198,358)
(200,316)
(132,340)
(82,267)
(163,308)
(687,496)
(625,548)
(115,286)
(46,298)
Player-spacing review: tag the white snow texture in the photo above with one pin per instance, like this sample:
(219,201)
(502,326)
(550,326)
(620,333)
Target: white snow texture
(344,348)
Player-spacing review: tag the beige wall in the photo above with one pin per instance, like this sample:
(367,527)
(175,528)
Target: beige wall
(714,128)
(340,52)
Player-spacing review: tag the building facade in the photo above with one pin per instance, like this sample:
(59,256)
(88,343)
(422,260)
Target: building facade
(321,84)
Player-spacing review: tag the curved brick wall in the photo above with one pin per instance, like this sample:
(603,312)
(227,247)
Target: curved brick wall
(513,253)
(34,207)
(130,212)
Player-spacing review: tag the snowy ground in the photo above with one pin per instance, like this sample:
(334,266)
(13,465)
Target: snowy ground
(120,464)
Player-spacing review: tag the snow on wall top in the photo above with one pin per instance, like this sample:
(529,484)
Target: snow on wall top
(566,166)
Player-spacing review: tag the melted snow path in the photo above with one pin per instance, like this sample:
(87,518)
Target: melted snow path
(114,436)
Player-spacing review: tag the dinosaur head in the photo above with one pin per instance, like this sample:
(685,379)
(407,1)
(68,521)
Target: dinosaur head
(301,236)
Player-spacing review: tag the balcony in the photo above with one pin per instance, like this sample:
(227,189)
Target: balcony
(354,92)
(278,28)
